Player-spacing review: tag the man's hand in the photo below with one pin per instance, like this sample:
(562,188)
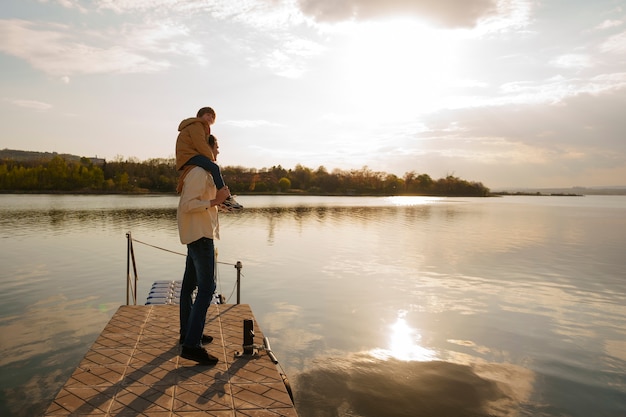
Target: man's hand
(222,194)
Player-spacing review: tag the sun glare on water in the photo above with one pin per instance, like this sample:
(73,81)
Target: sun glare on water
(405,201)
(404,344)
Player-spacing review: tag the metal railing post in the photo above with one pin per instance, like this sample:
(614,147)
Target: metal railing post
(238,265)
(130,253)
(127,266)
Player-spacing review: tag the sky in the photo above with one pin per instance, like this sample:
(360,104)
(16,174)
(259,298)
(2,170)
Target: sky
(510,93)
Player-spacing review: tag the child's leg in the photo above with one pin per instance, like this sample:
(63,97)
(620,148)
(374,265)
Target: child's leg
(204,162)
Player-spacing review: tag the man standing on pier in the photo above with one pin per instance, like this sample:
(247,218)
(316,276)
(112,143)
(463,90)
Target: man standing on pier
(197,226)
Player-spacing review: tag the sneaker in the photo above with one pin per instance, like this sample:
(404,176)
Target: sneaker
(231,205)
(206,339)
(199,355)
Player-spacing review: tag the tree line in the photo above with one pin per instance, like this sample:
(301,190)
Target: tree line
(159,175)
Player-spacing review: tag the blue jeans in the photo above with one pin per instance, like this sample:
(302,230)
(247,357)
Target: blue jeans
(210,166)
(200,272)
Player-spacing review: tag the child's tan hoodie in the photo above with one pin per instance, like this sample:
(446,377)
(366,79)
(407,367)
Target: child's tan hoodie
(191,141)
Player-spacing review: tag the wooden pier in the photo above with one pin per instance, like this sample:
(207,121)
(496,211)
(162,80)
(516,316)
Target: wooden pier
(134,369)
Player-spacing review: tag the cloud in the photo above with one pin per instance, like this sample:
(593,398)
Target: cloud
(607,24)
(572,131)
(279,63)
(161,37)
(451,13)
(289,59)
(576,140)
(572,61)
(267,37)
(553,90)
(249,123)
(124,6)
(616,44)
(52,48)
(32,104)
(257,14)
(68,4)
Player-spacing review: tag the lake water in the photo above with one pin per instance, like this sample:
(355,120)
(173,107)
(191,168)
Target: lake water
(404,306)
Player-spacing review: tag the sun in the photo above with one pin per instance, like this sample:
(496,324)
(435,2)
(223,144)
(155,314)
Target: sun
(399,66)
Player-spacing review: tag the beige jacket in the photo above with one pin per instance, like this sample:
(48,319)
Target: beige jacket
(195,216)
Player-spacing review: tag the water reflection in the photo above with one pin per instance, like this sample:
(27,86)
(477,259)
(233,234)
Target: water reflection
(301,218)
(404,343)
(365,386)
(23,222)
(32,330)
(40,346)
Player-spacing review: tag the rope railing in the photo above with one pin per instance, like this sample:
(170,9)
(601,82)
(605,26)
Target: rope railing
(131,284)
(177,253)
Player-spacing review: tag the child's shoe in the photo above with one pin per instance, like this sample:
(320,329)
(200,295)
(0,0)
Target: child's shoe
(231,205)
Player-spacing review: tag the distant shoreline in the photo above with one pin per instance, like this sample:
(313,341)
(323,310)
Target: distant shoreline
(537,194)
(608,192)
